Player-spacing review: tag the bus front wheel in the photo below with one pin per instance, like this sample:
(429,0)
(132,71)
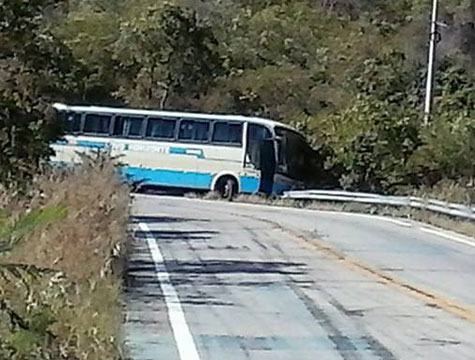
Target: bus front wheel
(227,188)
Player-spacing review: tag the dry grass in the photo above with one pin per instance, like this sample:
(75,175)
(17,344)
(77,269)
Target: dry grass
(86,248)
(458,225)
(449,191)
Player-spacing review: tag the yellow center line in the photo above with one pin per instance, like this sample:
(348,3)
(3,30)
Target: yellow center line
(454,307)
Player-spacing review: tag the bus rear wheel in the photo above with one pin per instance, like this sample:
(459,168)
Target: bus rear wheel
(227,188)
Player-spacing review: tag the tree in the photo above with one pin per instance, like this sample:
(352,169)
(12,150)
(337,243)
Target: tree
(25,135)
(90,32)
(34,66)
(448,141)
(165,54)
(349,69)
(374,138)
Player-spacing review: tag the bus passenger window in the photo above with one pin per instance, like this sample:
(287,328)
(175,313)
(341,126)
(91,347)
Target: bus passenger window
(72,122)
(119,128)
(135,126)
(194,130)
(127,126)
(201,131)
(258,133)
(97,124)
(227,133)
(186,130)
(160,128)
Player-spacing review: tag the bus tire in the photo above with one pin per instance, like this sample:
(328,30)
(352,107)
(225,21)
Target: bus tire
(227,188)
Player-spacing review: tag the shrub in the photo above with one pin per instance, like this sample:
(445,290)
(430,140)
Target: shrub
(60,290)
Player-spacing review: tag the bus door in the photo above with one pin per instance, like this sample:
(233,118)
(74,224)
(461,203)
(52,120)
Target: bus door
(260,155)
(267,166)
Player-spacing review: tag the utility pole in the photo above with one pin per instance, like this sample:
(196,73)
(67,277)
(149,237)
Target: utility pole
(430,65)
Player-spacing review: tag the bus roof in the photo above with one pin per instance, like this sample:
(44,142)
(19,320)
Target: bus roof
(103,109)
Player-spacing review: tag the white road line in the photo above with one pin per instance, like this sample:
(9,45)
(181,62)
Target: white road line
(314,211)
(408,224)
(183,338)
(367,216)
(448,236)
(277,208)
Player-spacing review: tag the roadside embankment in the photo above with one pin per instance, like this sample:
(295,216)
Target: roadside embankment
(62,250)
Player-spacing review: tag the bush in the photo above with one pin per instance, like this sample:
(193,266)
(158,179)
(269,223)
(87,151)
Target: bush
(60,293)
(25,137)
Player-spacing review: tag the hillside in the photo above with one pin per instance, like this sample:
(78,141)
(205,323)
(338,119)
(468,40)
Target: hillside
(350,73)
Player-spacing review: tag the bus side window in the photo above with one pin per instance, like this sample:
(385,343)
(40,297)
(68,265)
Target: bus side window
(201,131)
(227,133)
(258,133)
(135,125)
(194,131)
(160,128)
(97,124)
(72,122)
(128,126)
(119,129)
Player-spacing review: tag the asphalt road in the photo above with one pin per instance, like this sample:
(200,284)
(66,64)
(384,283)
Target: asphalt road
(218,281)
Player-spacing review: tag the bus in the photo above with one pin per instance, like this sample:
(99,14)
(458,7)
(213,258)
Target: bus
(228,154)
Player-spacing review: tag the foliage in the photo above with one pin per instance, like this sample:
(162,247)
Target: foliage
(351,71)
(33,66)
(11,234)
(50,308)
(164,52)
(29,332)
(25,135)
(374,138)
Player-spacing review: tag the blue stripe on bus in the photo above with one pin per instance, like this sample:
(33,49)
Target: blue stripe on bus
(184,151)
(175,178)
(249,185)
(91,144)
(177,151)
(169,177)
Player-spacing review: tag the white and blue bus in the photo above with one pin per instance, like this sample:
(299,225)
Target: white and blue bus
(224,153)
